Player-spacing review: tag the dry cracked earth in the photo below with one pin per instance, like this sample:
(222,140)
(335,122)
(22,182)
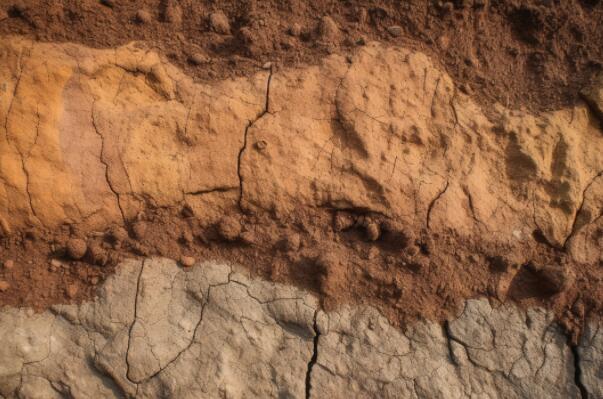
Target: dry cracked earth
(349,218)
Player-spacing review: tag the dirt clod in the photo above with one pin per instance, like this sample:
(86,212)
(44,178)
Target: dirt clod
(328,30)
(229,228)
(219,23)
(4,286)
(343,221)
(139,229)
(199,58)
(373,231)
(187,261)
(9,264)
(71,291)
(98,255)
(76,248)
(144,17)
(117,234)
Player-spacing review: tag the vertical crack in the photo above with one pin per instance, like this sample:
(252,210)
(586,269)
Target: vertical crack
(578,372)
(449,339)
(133,322)
(102,152)
(433,202)
(244,147)
(314,357)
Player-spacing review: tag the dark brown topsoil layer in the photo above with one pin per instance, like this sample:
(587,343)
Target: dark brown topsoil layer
(533,53)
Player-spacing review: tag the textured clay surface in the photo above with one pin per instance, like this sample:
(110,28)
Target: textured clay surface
(157,330)
(368,178)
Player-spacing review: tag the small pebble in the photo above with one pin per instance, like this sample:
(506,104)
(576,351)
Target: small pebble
(261,145)
(55,264)
(267,65)
(9,264)
(372,231)
(4,286)
(395,30)
(218,22)
(76,248)
(199,58)
(187,236)
(187,261)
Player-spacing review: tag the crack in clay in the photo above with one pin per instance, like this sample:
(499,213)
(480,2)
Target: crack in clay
(123,215)
(449,340)
(433,202)
(314,357)
(12,100)
(249,125)
(224,189)
(133,322)
(578,372)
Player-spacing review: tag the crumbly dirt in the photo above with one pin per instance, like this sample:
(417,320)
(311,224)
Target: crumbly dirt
(532,53)
(407,275)
(520,54)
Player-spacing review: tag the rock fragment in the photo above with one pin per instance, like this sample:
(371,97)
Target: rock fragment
(187,261)
(395,30)
(76,248)
(218,22)
(199,58)
(9,264)
(373,231)
(55,265)
(4,286)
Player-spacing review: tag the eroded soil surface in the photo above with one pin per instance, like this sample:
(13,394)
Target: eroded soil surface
(311,181)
